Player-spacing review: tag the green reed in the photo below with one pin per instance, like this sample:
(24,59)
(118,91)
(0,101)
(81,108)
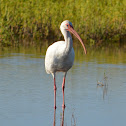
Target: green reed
(96,21)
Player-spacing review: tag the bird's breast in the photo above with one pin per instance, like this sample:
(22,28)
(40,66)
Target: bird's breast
(57,59)
(64,62)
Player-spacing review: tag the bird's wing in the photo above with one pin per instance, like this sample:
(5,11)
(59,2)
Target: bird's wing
(53,52)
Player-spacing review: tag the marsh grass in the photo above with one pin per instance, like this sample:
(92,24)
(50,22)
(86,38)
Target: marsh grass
(25,21)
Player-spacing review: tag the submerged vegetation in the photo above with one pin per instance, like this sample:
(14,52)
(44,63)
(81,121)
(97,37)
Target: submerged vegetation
(30,21)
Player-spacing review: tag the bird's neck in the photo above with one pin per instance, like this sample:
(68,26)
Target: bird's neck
(68,41)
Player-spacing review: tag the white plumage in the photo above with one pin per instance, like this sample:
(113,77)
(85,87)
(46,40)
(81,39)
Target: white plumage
(57,59)
(60,55)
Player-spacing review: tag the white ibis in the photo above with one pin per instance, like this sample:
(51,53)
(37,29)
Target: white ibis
(60,55)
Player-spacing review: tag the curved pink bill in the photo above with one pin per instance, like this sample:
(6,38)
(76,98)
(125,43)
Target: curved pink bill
(70,28)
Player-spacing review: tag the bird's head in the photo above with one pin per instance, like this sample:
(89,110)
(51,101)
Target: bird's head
(67,25)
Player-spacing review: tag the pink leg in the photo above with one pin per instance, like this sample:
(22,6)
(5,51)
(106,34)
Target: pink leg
(54,94)
(63,86)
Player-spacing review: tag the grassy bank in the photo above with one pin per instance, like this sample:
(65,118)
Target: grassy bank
(97,21)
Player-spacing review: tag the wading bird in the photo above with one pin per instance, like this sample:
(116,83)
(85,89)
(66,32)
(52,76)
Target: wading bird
(60,55)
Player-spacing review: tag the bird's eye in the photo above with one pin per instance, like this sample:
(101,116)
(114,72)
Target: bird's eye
(67,25)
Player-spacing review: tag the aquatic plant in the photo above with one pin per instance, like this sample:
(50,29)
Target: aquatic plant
(25,21)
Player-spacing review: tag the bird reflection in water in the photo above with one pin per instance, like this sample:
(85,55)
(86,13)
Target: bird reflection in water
(62,124)
(54,120)
(73,121)
(62,121)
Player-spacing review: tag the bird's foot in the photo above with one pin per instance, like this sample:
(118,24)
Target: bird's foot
(63,86)
(63,106)
(55,88)
(55,107)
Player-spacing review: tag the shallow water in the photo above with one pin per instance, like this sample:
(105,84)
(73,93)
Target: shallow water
(95,91)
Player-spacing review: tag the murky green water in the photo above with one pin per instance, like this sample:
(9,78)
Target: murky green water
(26,91)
